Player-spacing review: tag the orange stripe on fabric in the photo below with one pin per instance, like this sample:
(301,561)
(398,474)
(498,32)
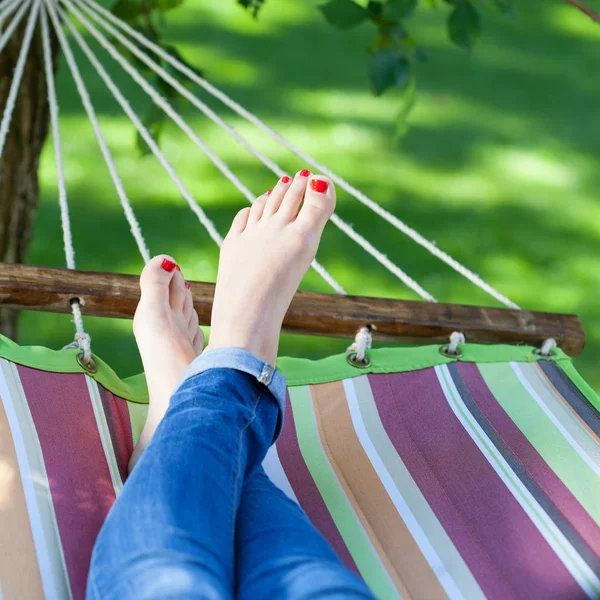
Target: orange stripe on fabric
(410,570)
(19,570)
(567,404)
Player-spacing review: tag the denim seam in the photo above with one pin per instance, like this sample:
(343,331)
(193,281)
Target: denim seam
(237,472)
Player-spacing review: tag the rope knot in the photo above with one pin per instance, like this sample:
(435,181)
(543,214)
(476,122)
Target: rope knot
(362,342)
(547,347)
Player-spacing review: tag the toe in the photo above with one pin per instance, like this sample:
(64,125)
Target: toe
(276,196)
(240,221)
(290,205)
(256,210)
(177,292)
(319,204)
(157,275)
(188,304)
(198,342)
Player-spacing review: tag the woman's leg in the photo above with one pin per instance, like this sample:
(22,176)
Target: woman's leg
(170,533)
(280,554)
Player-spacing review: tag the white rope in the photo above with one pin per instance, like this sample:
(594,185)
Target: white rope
(6,8)
(343,184)
(208,224)
(89,108)
(547,347)
(82,339)
(362,342)
(160,101)
(274,167)
(20,66)
(456,338)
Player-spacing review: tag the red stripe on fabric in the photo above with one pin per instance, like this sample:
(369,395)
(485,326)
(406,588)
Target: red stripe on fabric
(528,456)
(119,424)
(78,474)
(306,490)
(490,579)
(497,520)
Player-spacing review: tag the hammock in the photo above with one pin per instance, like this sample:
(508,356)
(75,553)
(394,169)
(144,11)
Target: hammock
(448,470)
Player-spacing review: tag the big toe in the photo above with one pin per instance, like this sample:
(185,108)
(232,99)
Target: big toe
(156,277)
(318,206)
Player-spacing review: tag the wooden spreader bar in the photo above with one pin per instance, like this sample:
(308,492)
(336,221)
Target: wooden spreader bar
(113,295)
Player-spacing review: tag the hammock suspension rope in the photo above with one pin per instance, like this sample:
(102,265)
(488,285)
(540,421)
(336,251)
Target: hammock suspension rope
(104,18)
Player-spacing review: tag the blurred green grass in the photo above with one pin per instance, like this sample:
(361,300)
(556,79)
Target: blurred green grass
(499,165)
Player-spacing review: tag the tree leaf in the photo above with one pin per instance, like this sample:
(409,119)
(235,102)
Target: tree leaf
(464,26)
(400,9)
(153,121)
(387,68)
(343,14)
(252,5)
(375,8)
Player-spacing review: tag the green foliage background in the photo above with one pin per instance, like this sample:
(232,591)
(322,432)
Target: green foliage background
(498,164)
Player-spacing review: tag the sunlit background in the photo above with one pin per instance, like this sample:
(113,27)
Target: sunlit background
(499,165)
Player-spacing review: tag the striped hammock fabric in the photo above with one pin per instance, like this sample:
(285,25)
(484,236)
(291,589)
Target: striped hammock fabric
(431,477)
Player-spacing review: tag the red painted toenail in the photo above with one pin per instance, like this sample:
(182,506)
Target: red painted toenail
(318,185)
(269,192)
(285,179)
(168,265)
(188,285)
(305,172)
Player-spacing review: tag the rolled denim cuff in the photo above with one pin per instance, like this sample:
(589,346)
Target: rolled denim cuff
(241,360)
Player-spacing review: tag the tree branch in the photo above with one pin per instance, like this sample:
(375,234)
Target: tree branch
(591,13)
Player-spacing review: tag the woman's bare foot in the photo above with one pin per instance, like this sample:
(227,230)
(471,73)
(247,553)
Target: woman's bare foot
(263,259)
(168,337)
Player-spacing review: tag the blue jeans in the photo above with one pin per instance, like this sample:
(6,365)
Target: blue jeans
(199,518)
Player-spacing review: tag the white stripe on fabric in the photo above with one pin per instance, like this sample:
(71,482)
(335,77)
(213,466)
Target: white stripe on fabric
(36,487)
(415,498)
(572,442)
(429,552)
(104,432)
(325,461)
(579,569)
(553,401)
(276,473)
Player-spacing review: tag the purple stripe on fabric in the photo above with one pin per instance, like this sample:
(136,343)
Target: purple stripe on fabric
(119,426)
(532,461)
(306,489)
(78,475)
(497,520)
(490,579)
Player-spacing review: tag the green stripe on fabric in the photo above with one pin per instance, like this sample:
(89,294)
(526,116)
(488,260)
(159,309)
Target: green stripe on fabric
(561,546)
(343,515)
(543,435)
(554,403)
(109,451)
(583,386)
(138,414)
(298,371)
(431,527)
(40,505)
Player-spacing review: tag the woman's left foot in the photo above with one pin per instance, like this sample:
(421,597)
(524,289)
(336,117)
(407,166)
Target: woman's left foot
(168,337)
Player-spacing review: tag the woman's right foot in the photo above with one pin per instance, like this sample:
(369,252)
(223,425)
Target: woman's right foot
(269,248)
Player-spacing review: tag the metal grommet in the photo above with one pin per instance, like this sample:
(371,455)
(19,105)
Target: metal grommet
(445,351)
(359,364)
(90,366)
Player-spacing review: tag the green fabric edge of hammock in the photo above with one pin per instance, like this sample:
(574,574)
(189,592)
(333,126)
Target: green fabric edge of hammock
(300,371)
